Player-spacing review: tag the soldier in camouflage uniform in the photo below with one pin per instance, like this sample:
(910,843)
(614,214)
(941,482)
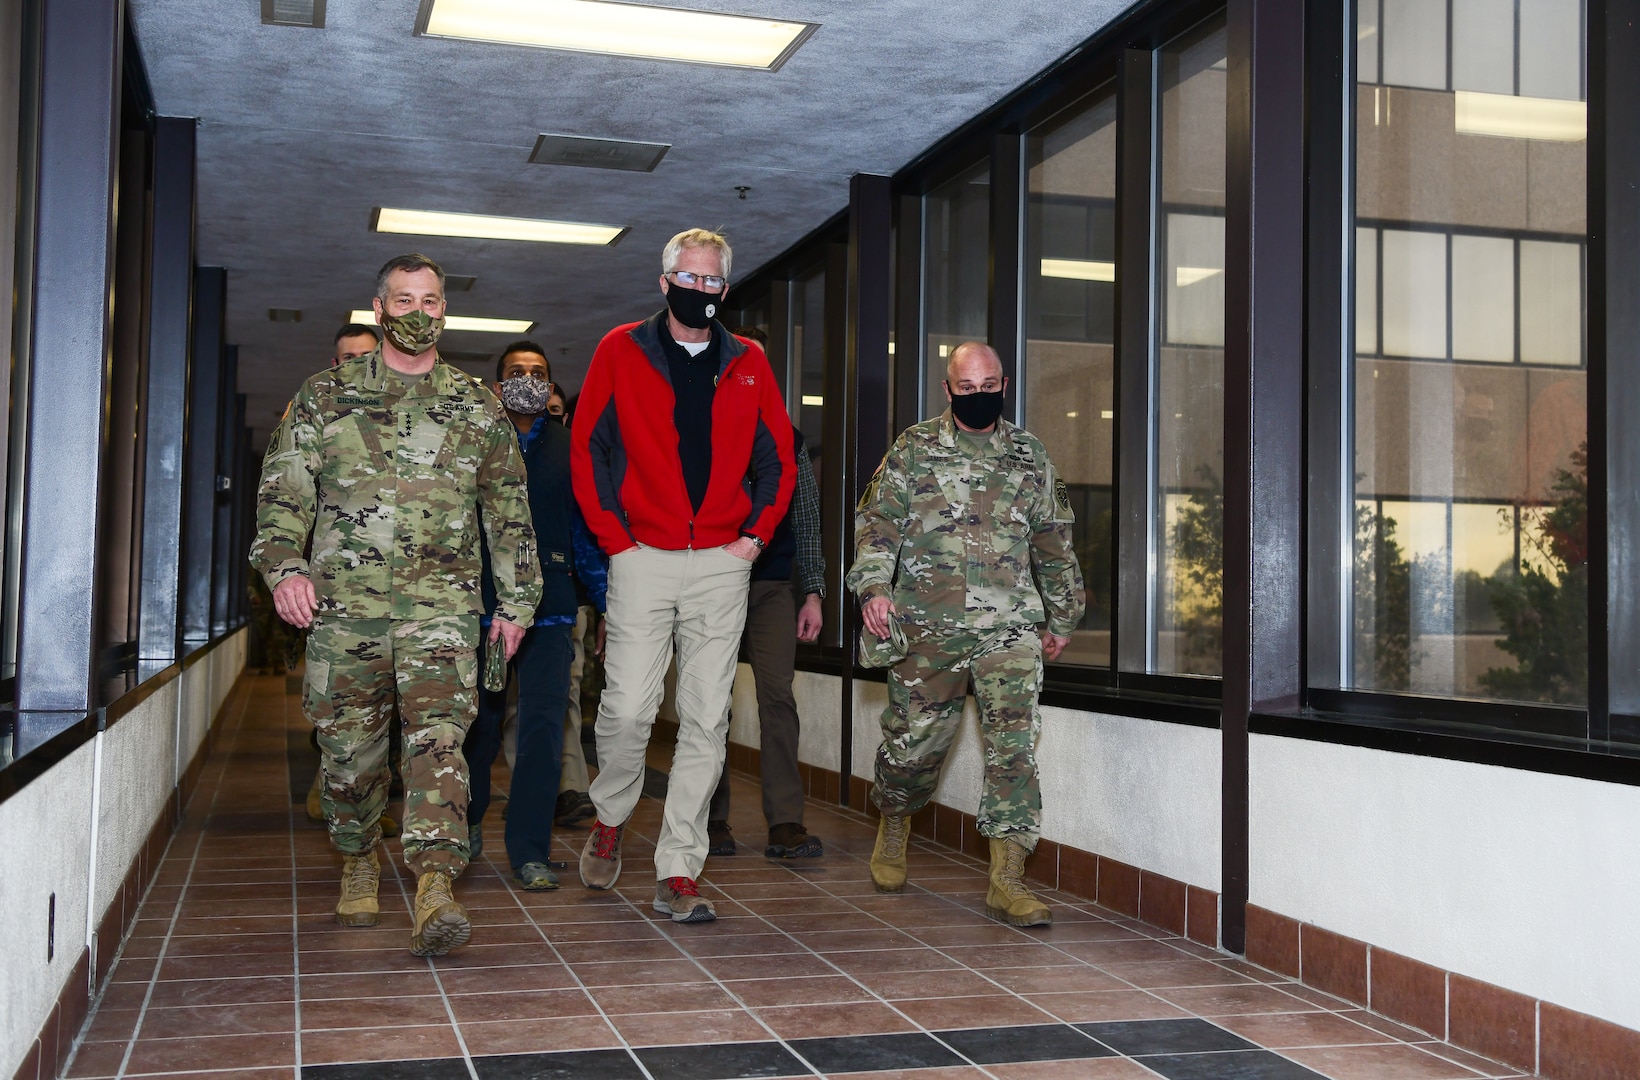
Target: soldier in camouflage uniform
(388,465)
(962,549)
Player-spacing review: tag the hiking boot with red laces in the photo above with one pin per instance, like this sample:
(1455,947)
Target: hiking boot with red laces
(678,897)
(601,857)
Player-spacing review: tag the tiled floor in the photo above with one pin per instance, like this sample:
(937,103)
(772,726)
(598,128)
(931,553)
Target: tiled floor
(236,969)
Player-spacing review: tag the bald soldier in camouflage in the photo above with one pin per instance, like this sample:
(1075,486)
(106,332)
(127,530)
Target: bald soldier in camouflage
(962,550)
(389,465)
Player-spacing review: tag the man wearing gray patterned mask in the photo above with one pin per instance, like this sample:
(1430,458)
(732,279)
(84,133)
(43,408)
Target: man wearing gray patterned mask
(570,563)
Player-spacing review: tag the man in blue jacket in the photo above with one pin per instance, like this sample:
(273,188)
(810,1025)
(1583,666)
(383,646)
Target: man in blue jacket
(566,552)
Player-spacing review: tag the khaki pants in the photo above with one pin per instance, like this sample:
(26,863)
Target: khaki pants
(697,600)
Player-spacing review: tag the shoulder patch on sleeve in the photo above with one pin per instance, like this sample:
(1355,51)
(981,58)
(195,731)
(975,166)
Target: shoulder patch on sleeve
(1062,495)
(868,497)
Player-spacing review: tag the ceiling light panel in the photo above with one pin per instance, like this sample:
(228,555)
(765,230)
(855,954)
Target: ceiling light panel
(622,154)
(480,226)
(458,322)
(1079,269)
(1507,116)
(618,29)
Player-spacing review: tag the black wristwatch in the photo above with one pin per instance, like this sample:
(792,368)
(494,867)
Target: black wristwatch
(758,540)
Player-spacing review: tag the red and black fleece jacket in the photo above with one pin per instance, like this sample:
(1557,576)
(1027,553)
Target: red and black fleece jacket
(624,447)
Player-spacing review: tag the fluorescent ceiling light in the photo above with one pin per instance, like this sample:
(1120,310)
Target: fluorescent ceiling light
(1107,414)
(814,399)
(1509,117)
(1189,275)
(1079,269)
(459,322)
(433,223)
(596,26)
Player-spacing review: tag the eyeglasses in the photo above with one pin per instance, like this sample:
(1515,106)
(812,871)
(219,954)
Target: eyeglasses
(689,278)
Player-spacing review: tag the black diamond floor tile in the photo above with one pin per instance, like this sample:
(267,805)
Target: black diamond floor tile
(1037,1042)
(730,1061)
(561,1065)
(1136,1037)
(1229,1065)
(874,1053)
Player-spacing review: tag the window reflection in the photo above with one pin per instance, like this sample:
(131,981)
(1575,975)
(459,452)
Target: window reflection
(1188,530)
(805,394)
(1469,412)
(1070,316)
(956,266)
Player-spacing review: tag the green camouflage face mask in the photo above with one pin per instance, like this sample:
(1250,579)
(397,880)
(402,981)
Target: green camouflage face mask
(414,332)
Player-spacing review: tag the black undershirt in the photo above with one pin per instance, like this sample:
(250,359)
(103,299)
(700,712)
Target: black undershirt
(694,382)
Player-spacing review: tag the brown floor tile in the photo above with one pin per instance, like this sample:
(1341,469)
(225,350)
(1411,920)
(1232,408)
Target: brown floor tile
(211,1054)
(538,1036)
(493,980)
(1127,951)
(1056,979)
(767,967)
(332,1013)
(1576,1044)
(662,997)
(1235,1000)
(1180,973)
(832,1021)
(876,960)
(738,944)
(198,1020)
(590,952)
(637,972)
(1279,1031)
(521,1005)
(379,1044)
(896,985)
(223,991)
(112,1025)
(207,967)
(98,1059)
(813,990)
(988,957)
(886,937)
(401,984)
(1390,1062)
(225,1074)
(1491,1020)
(690,1028)
(996,1010)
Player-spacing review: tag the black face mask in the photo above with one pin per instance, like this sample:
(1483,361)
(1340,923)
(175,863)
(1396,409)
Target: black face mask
(978,410)
(691,307)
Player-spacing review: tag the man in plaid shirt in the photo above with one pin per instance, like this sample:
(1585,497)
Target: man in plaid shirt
(770,646)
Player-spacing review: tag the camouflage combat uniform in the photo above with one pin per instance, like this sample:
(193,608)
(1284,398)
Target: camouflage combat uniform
(973,546)
(392,477)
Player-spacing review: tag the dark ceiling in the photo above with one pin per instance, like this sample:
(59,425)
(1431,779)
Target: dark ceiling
(304,131)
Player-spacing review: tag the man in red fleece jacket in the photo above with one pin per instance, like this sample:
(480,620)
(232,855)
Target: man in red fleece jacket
(681,455)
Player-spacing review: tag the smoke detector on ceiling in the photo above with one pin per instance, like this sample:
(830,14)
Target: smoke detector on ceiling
(623,154)
(294,13)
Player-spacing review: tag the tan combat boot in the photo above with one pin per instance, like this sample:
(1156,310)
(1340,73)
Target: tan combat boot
(440,923)
(360,875)
(1008,900)
(888,856)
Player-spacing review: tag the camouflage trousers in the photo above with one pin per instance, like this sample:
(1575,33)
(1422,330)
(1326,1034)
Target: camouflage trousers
(926,694)
(356,670)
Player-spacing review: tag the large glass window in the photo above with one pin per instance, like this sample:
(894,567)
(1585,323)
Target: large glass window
(956,265)
(1188,523)
(1070,323)
(1468,397)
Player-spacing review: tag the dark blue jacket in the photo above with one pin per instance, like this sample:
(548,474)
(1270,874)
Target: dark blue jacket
(567,551)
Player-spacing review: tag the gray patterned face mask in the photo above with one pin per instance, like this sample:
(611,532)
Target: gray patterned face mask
(525,394)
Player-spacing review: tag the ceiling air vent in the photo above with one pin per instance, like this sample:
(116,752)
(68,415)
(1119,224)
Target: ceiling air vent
(294,12)
(459,282)
(284,314)
(598,153)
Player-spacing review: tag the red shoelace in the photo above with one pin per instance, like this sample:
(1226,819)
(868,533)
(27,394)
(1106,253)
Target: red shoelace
(683,886)
(605,840)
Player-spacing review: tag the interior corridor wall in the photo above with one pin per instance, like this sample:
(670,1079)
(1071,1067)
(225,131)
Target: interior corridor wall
(77,830)
(1520,879)
(1142,792)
